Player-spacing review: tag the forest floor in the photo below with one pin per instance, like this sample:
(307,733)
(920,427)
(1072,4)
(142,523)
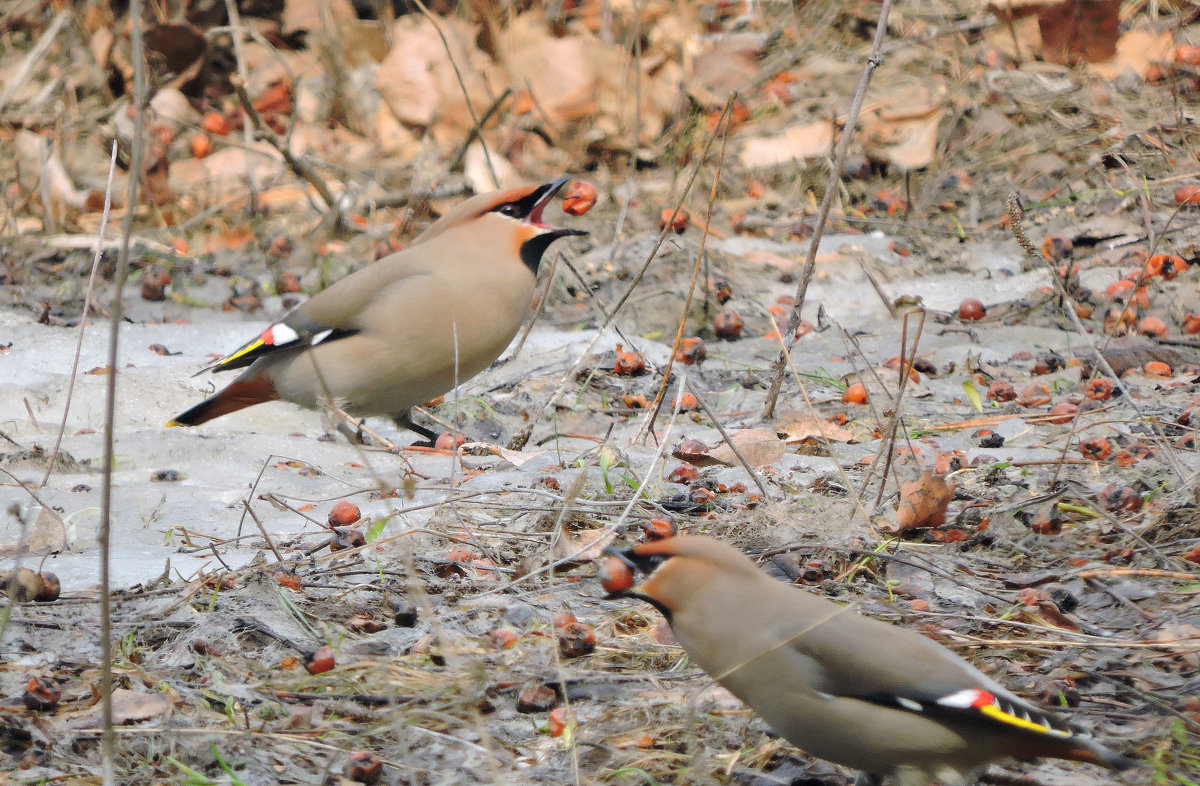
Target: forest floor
(1028,496)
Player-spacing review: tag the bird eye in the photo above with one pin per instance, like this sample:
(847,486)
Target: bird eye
(509,209)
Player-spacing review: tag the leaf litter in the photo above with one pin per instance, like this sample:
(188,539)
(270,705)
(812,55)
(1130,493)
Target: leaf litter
(1058,553)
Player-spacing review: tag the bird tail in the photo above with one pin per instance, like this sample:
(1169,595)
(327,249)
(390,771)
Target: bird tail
(1087,750)
(239,394)
(1097,754)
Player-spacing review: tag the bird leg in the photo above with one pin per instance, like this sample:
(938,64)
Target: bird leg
(404,420)
(354,429)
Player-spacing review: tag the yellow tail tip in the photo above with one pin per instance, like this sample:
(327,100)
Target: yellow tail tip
(171,423)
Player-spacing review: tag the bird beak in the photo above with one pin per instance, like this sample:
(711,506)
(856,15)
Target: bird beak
(618,573)
(541,197)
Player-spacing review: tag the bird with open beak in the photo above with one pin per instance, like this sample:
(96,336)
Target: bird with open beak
(858,692)
(406,328)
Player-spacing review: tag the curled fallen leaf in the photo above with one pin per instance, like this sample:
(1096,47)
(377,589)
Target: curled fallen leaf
(923,502)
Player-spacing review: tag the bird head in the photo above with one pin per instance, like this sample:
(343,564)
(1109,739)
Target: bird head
(665,573)
(510,216)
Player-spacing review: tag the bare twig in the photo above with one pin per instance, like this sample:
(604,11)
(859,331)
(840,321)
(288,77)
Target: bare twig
(235,27)
(263,530)
(729,441)
(519,440)
(263,132)
(108,744)
(457,159)
(648,425)
(420,195)
(87,309)
(36,57)
(476,123)
(874,59)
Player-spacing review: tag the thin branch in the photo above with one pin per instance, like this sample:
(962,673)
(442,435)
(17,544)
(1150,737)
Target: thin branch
(87,309)
(476,123)
(648,424)
(476,130)
(263,132)
(235,28)
(108,744)
(874,59)
(519,440)
(737,452)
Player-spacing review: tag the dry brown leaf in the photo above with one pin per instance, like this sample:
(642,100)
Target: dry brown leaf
(1136,51)
(174,48)
(128,706)
(101,43)
(731,63)
(171,105)
(583,545)
(417,79)
(902,133)
(48,535)
(1185,637)
(363,42)
(156,185)
(807,429)
(1078,31)
(757,445)
(479,164)
(923,502)
(228,239)
(796,143)
(1020,39)
(560,73)
(1069,31)
(224,172)
(608,126)
(308,14)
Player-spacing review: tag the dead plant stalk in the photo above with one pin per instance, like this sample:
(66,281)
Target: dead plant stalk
(87,309)
(520,439)
(108,741)
(874,60)
(648,426)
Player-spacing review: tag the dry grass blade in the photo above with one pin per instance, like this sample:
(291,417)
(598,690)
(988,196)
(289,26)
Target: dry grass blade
(648,426)
(520,439)
(729,441)
(87,309)
(1015,215)
(874,59)
(108,739)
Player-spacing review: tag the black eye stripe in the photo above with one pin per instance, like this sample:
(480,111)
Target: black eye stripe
(522,207)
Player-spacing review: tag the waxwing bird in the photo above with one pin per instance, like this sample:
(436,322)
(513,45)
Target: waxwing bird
(406,328)
(856,691)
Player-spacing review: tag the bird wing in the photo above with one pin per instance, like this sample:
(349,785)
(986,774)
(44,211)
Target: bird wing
(292,332)
(977,704)
(331,314)
(861,658)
